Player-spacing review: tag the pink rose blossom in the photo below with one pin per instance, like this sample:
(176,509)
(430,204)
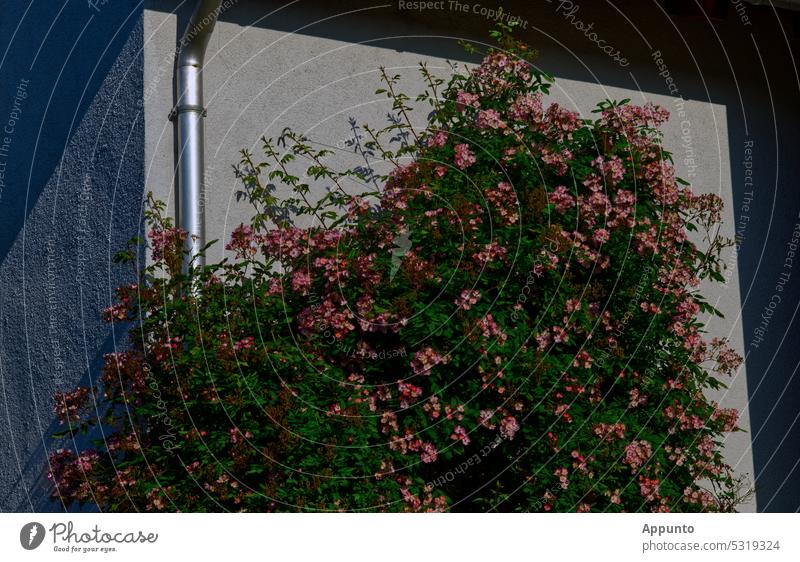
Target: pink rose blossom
(509,427)
(464,156)
(467,299)
(439,139)
(460,434)
(489,119)
(466,99)
(637,453)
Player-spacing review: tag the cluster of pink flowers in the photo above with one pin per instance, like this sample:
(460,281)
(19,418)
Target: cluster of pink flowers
(498,72)
(366,271)
(509,427)
(468,299)
(464,156)
(609,431)
(327,315)
(527,107)
(475,220)
(660,175)
(386,469)
(729,418)
(285,243)
(708,204)
(357,206)
(580,463)
(584,254)
(460,434)
(562,411)
(433,407)
(242,241)
(71,474)
(426,359)
(582,359)
(614,496)
(728,361)
(675,454)
(489,119)
(405,443)
(334,269)
(438,139)
(325,239)
(598,208)
(610,210)
(698,496)
(161,240)
(485,419)
(244,343)
(491,329)
(685,421)
(157,498)
(563,480)
(456,412)
(389,423)
(622,213)
(646,241)
(628,121)
(649,488)
(301,281)
(706,447)
(612,169)
(117,311)
(561,198)
(364,305)
(69,405)
(504,199)
(466,100)
(408,393)
(559,122)
(637,453)
(489,253)
(418,268)
(164,350)
(560,335)
(237,435)
(600,236)
(558,159)
(543,340)
(427,504)
(428,453)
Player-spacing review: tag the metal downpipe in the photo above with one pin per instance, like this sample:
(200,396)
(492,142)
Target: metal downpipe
(189,113)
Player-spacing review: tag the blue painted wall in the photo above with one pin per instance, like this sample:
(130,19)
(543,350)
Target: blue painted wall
(72,165)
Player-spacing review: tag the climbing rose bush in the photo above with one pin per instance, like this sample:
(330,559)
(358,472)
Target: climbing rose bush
(509,321)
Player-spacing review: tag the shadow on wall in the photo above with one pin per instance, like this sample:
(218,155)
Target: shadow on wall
(745,64)
(71,158)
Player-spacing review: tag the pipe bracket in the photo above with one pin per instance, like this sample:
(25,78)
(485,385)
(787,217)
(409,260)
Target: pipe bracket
(175,111)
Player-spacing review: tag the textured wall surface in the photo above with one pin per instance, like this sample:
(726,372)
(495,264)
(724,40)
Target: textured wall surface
(82,151)
(71,198)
